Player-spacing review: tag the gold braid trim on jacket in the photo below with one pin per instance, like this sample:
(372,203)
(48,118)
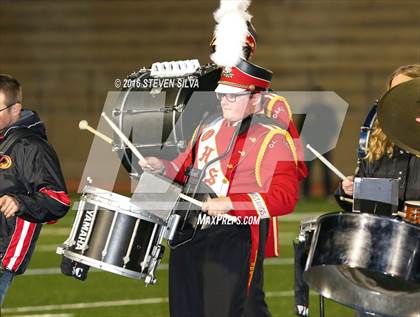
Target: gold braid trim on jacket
(273,101)
(274,131)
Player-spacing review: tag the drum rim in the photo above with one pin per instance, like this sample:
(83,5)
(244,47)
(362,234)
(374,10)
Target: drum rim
(366,215)
(94,190)
(103,266)
(412,202)
(132,210)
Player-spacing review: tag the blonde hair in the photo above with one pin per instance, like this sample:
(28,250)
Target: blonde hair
(379,144)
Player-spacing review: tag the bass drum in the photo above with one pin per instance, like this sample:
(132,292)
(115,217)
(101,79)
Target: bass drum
(161,121)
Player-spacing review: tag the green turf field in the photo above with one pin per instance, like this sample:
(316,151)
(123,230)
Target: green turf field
(48,293)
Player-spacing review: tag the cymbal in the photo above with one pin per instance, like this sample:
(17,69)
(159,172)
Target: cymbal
(397,113)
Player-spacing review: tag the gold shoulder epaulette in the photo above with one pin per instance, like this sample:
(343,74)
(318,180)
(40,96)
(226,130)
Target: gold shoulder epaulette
(274,131)
(272,102)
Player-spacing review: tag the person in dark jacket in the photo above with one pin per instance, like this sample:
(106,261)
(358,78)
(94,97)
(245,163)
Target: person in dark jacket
(32,188)
(386,160)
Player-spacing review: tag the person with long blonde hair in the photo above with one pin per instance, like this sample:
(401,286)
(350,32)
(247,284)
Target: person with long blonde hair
(384,159)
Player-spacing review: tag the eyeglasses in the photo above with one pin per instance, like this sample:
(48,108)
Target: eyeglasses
(11,105)
(231,97)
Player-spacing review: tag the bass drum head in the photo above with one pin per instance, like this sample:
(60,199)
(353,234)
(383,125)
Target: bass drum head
(161,121)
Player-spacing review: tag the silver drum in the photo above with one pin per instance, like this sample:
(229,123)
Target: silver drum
(368,262)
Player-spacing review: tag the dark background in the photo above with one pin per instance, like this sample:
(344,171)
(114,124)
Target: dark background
(67,54)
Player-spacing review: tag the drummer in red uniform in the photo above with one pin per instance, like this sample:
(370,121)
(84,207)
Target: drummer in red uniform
(255,181)
(275,107)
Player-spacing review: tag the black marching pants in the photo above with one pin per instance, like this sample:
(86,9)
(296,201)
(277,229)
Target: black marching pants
(256,305)
(208,277)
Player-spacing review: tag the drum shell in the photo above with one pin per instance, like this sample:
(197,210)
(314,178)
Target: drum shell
(119,239)
(112,234)
(367,262)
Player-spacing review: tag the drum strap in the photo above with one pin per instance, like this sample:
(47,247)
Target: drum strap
(244,127)
(191,171)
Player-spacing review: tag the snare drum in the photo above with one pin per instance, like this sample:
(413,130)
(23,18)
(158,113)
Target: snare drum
(412,211)
(112,234)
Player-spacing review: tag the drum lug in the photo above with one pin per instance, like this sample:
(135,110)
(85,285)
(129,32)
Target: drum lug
(149,251)
(116,112)
(108,239)
(179,108)
(126,259)
(150,279)
(71,241)
(155,258)
(171,227)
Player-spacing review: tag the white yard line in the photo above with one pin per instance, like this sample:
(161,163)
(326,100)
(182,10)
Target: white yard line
(279,261)
(162,267)
(46,248)
(280,294)
(128,302)
(51,231)
(285,238)
(298,216)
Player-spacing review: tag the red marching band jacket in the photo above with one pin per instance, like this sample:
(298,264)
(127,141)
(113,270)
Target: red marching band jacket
(278,108)
(260,175)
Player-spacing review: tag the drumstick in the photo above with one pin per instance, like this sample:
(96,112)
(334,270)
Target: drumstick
(399,213)
(349,200)
(326,162)
(200,204)
(83,125)
(125,139)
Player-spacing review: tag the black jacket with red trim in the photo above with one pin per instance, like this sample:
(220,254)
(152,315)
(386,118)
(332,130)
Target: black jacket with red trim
(29,171)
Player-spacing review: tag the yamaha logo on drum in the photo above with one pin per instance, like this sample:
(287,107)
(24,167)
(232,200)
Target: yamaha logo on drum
(84,230)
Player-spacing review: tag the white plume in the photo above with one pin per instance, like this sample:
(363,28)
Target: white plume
(231,32)
(228,6)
